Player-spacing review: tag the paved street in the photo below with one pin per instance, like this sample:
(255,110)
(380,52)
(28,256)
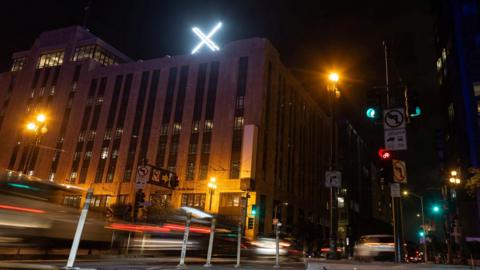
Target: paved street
(220,264)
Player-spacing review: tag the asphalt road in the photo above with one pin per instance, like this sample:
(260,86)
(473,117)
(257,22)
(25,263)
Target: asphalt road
(218,264)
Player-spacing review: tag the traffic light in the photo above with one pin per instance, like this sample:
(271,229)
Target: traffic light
(139,199)
(253,212)
(384,154)
(421,233)
(373,109)
(436,209)
(412,107)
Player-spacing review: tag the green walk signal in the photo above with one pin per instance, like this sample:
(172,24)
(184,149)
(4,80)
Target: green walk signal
(254,210)
(371,113)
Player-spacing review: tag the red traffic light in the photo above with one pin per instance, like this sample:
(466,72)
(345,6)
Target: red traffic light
(384,154)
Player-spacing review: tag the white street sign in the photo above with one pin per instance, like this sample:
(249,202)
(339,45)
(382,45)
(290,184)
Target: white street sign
(142,176)
(399,171)
(395,139)
(333,179)
(394,119)
(395,190)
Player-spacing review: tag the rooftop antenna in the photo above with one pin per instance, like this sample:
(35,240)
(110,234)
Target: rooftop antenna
(86,10)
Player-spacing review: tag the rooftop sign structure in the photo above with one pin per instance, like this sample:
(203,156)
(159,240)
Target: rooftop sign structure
(206,39)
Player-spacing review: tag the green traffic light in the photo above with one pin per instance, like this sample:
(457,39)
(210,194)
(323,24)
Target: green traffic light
(254,210)
(421,233)
(436,209)
(371,113)
(418,112)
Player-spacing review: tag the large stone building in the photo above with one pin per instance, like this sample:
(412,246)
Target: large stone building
(232,114)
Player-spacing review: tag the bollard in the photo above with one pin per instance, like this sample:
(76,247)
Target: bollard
(210,244)
(78,232)
(277,245)
(182,265)
(239,241)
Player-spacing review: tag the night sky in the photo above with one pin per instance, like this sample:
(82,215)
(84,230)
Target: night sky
(311,36)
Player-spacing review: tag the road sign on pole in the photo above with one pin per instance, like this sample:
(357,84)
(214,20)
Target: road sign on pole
(333,179)
(143,173)
(395,190)
(395,139)
(399,171)
(394,119)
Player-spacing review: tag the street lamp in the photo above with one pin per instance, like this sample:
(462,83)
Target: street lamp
(454,179)
(37,126)
(334,94)
(212,186)
(407,193)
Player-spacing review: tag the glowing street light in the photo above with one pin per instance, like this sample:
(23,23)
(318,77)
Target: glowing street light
(453,173)
(31,126)
(206,39)
(405,192)
(333,77)
(212,186)
(41,118)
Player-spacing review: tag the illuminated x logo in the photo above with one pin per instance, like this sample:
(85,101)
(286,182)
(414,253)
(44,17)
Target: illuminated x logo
(206,38)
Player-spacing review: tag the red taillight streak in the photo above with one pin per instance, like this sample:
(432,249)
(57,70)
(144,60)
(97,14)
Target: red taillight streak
(139,228)
(21,209)
(182,228)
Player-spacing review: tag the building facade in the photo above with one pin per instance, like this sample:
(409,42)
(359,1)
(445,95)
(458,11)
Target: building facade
(458,71)
(233,114)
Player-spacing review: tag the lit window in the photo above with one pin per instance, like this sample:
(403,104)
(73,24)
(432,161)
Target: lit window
(476,89)
(108,134)
(196,200)
(195,126)
(104,153)
(208,125)
(88,155)
(51,177)
(230,199)
(18,64)
(341,202)
(50,59)
(73,176)
(52,90)
(444,54)
(118,132)
(238,122)
(177,127)
(439,64)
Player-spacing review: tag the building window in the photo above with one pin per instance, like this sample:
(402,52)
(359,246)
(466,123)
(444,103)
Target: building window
(50,59)
(196,200)
(192,149)
(73,176)
(230,199)
(72,200)
(177,127)
(203,172)
(195,126)
(190,170)
(235,169)
(100,201)
(96,53)
(208,125)
(18,64)
(238,123)
(122,199)
(104,154)
(240,102)
(439,64)
(164,129)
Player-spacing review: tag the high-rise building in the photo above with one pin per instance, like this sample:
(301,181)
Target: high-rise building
(233,114)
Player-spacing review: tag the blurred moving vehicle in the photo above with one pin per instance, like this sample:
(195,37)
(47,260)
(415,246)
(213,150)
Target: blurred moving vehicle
(39,213)
(375,247)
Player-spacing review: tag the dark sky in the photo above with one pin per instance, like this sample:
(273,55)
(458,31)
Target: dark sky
(312,37)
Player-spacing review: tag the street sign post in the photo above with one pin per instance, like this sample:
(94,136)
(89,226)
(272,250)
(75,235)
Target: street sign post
(395,190)
(333,179)
(143,173)
(399,171)
(394,119)
(395,139)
